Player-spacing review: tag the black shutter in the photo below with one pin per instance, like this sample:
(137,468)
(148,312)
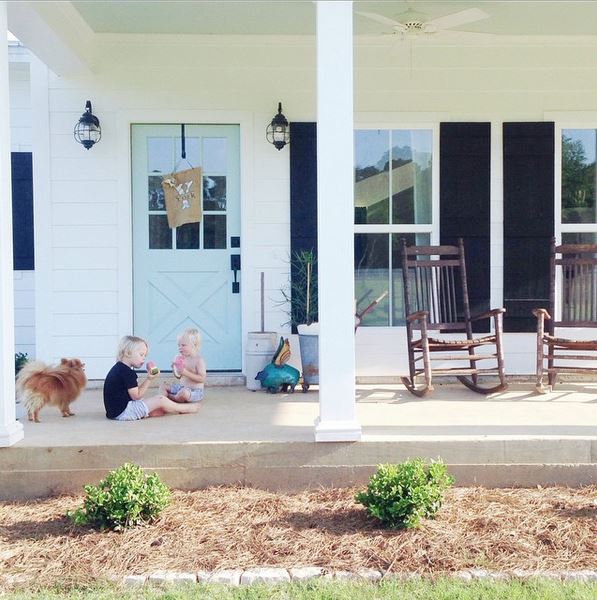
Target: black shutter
(528,220)
(303,187)
(465,153)
(22,211)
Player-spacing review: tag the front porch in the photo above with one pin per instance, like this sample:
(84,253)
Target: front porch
(513,438)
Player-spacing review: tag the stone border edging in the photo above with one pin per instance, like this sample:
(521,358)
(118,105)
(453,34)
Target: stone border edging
(274,575)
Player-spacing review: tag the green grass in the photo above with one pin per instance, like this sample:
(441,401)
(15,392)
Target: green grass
(442,589)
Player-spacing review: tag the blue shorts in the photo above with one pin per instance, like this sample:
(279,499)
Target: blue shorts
(134,411)
(196,393)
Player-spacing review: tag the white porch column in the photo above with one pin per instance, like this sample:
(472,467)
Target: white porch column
(335,210)
(11,430)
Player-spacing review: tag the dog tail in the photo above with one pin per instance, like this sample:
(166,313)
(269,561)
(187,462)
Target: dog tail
(29,370)
(32,401)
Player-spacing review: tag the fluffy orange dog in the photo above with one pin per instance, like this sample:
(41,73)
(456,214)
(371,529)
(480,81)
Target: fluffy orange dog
(39,384)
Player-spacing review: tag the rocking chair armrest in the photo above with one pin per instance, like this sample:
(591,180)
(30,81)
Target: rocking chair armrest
(421,315)
(541,313)
(494,312)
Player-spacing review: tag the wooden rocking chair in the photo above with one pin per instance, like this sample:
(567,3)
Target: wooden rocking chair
(436,298)
(574,267)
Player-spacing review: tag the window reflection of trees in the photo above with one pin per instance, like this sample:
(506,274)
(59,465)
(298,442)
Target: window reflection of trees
(156,193)
(393,186)
(578,182)
(372,185)
(214,192)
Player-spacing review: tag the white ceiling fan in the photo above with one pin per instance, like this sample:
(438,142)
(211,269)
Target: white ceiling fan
(412,23)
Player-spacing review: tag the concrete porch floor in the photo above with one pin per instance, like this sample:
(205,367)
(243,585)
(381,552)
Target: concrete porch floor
(516,437)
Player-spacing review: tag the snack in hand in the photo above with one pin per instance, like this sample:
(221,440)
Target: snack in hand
(152,368)
(178,366)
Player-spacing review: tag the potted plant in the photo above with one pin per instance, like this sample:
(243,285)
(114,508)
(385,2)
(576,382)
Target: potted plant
(301,299)
(20,359)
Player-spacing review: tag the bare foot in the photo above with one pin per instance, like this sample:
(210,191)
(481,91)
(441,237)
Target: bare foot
(158,412)
(182,396)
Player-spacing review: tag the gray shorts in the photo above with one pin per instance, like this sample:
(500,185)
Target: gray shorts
(135,410)
(196,393)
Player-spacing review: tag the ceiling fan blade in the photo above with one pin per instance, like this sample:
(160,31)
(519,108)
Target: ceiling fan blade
(456,19)
(383,20)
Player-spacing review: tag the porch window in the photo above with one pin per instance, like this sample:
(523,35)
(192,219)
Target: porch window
(393,199)
(578,212)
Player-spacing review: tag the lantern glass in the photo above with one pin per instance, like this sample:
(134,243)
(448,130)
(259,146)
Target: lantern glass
(88,131)
(278,131)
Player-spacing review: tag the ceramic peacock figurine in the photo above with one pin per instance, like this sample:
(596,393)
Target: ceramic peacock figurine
(277,375)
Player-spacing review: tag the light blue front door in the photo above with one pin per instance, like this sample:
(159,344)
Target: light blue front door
(182,276)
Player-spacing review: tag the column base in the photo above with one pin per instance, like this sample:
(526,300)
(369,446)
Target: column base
(11,434)
(337,431)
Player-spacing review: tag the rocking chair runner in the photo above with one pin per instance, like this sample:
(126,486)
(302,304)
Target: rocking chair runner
(436,298)
(575,266)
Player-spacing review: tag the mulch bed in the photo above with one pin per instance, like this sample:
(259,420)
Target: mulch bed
(234,527)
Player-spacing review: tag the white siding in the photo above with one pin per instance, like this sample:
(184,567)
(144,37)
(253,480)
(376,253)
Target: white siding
(20,99)
(24,292)
(20,141)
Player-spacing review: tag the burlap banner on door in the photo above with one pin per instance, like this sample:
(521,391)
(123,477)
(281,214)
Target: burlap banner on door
(184,194)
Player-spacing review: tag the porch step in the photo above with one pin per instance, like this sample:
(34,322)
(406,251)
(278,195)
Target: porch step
(29,472)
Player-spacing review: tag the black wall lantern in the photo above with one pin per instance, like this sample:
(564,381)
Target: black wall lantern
(88,131)
(278,131)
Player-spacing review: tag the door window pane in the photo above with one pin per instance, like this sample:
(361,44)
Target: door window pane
(160,235)
(411,176)
(215,155)
(214,232)
(156,193)
(160,155)
(214,192)
(192,151)
(578,175)
(371,187)
(187,236)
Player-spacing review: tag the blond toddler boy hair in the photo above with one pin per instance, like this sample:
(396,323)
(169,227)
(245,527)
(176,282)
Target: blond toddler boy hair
(190,336)
(127,345)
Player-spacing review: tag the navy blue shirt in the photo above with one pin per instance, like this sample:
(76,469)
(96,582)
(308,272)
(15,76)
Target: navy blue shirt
(119,380)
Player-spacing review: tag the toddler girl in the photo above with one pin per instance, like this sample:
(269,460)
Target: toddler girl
(189,367)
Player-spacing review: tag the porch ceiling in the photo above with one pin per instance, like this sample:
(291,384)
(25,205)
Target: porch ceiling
(297,17)
(65,35)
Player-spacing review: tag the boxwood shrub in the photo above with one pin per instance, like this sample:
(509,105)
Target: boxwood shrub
(127,496)
(401,495)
